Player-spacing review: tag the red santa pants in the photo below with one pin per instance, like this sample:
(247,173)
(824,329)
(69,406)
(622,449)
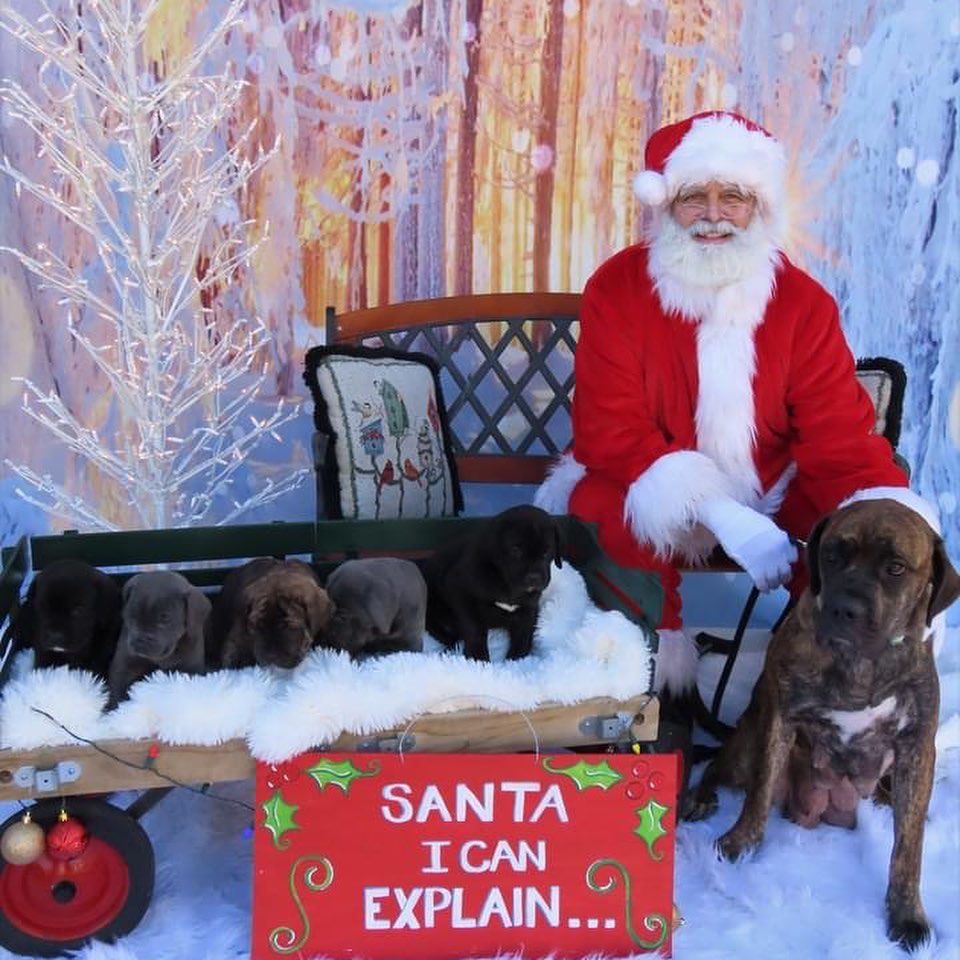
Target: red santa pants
(599,501)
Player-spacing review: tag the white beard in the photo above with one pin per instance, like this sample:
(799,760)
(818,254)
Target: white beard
(689,274)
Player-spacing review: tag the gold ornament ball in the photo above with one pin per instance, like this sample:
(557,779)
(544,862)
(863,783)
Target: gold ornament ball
(22,842)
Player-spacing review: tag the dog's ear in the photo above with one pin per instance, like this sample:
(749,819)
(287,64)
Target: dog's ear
(197,609)
(557,542)
(945,581)
(813,554)
(128,587)
(108,600)
(319,611)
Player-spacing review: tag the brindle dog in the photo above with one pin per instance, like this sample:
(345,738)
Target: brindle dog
(848,689)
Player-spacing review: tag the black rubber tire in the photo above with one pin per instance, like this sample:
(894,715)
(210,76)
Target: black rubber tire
(120,831)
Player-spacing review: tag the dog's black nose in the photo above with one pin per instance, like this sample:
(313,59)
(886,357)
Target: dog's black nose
(846,609)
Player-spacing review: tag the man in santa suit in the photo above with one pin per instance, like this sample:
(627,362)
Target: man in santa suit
(716,398)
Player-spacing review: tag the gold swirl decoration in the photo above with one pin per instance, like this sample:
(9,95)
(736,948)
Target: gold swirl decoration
(285,939)
(656,923)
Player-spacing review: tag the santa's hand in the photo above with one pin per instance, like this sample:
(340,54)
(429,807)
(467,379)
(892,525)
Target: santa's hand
(752,540)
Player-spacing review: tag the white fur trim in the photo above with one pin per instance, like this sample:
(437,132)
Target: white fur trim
(579,652)
(650,188)
(663,502)
(553,495)
(676,664)
(902,495)
(726,430)
(721,148)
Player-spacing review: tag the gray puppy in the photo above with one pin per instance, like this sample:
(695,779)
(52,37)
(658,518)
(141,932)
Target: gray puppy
(163,629)
(381,607)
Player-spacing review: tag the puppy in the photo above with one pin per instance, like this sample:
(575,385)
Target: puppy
(848,689)
(71,616)
(381,607)
(493,578)
(163,629)
(269,612)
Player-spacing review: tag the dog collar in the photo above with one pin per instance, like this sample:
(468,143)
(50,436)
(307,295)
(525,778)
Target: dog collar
(509,607)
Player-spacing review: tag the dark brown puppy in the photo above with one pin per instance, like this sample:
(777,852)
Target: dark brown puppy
(71,617)
(381,607)
(269,612)
(163,629)
(849,688)
(493,578)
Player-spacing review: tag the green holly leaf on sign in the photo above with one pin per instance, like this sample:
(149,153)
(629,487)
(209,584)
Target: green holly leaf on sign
(651,827)
(585,774)
(339,773)
(278,819)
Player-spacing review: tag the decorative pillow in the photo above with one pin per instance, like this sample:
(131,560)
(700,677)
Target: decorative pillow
(383,442)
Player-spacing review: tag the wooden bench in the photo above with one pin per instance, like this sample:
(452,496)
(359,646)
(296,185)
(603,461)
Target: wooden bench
(507,373)
(506,363)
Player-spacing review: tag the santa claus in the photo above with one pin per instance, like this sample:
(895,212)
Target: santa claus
(716,398)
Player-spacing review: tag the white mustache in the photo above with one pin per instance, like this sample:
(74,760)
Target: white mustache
(704,228)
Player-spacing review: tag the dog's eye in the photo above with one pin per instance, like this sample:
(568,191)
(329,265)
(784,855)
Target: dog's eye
(895,568)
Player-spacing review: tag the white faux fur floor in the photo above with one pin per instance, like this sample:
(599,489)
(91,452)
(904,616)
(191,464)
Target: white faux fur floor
(806,896)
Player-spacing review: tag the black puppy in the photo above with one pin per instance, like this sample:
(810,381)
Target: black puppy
(71,617)
(492,578)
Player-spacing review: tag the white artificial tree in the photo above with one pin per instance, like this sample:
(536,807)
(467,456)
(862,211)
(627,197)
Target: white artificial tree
(137,159)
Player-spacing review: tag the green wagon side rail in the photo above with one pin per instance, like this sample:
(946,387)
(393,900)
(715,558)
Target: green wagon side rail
(206,554)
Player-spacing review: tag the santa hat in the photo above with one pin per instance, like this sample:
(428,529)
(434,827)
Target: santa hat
(716,145)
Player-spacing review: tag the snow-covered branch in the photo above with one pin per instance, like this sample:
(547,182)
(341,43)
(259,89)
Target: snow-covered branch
(135,155)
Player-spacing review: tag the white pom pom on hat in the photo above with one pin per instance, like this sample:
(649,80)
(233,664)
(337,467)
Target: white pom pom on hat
(715,145)
(650,188)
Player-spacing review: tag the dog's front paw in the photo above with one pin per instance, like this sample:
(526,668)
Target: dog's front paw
(698,805)
(734,844)
(909,932)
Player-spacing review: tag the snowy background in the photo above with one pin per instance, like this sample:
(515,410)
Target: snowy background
(384,187)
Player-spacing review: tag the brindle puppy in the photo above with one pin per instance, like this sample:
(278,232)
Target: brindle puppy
(849,688)
(269,612)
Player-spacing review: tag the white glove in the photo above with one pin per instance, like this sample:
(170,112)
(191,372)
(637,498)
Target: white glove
(752,539)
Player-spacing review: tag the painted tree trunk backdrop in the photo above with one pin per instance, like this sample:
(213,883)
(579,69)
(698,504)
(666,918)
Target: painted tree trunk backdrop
(429,147)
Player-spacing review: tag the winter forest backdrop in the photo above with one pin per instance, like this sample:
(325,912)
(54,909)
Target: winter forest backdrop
(382,151)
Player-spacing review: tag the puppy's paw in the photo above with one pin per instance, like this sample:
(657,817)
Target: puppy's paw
(734,845)
(910,932)
(698,805)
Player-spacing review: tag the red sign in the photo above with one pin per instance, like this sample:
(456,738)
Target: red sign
(441,856)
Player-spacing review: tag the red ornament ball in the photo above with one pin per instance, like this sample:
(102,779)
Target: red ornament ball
(67,839)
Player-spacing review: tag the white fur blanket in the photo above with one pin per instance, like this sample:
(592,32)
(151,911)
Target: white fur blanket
(579,652)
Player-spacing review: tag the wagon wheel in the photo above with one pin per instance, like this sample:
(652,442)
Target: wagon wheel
(50,906)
